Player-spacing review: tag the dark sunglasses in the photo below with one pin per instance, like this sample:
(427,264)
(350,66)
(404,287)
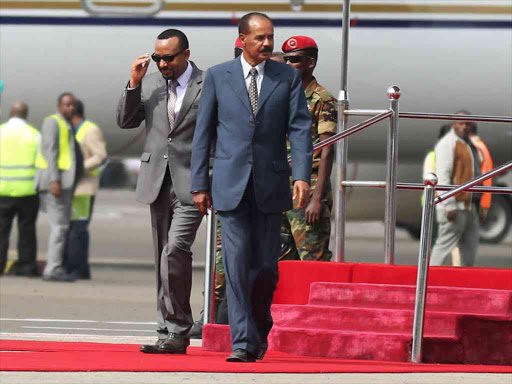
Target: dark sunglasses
(294,59)
(167,58)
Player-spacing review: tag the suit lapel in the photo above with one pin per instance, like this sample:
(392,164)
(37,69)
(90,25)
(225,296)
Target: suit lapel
(237,83)
(193,88)
(269,83)
(162,100)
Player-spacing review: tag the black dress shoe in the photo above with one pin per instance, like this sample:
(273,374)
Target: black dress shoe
(241,356)
(262,352)
(152,348)
(175,344)
(196,332)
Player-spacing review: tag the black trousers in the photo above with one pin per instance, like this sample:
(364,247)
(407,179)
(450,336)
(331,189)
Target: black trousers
(25,209)
(76,253)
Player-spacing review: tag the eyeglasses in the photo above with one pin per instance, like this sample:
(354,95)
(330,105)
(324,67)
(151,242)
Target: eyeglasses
(294,59)
(167,58)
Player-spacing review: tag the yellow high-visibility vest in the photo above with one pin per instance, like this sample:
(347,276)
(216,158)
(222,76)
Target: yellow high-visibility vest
(18,149)
(64,160)
(80,137)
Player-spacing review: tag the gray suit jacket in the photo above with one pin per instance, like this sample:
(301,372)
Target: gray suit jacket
(148,102)
(50,151)
(247,144)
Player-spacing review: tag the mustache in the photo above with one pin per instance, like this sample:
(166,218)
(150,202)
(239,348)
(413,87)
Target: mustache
(266,49)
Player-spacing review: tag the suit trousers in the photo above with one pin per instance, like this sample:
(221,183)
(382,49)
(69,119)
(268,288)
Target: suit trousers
(463,233)
(174,227)
(25,209)
(58,210)
(250,247)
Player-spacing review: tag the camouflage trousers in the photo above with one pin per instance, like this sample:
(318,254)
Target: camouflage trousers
(303,241)
(220,279)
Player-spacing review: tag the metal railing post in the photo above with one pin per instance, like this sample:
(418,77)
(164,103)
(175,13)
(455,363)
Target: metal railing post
(391,177)
(427,222)
(342,145)
(209,267)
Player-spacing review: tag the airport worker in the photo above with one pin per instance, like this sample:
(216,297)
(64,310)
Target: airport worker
(93,147)
(306,231)
(487,164)
(19,143)
(429,166)
(168,103)
(59,167)
(457,162)
(249,106)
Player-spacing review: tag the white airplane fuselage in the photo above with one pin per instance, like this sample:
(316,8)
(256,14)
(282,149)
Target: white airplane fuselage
(443,59)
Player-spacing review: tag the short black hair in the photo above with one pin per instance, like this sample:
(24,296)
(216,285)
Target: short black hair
(63,95)
(243,25)
(444,130)
(79,108)
(169,33)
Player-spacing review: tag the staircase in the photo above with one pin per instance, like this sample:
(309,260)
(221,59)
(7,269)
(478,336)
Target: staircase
(369,321)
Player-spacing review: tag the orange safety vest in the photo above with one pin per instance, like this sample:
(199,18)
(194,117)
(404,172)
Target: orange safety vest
(486,166)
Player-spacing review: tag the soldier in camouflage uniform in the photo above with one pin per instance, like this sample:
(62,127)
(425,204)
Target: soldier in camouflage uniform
(305,232)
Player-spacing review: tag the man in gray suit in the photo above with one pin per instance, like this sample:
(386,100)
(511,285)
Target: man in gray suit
(249,106)
(59,165)
(168,102)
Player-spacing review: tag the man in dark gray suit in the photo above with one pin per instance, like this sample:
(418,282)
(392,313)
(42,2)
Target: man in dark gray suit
(168,102)
(249,106)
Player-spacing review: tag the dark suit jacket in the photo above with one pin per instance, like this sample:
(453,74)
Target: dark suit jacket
(148,103)
(247,143)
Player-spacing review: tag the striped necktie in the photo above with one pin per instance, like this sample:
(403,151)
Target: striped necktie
(171,101)
(253,91)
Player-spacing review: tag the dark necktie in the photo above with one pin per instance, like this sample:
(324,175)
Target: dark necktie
(171,102)
(253,91)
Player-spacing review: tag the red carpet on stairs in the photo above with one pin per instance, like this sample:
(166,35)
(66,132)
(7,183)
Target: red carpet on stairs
(16,355)
(365,312)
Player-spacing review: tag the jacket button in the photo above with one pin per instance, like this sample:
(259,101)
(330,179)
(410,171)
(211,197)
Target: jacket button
(165,156)
(169,140)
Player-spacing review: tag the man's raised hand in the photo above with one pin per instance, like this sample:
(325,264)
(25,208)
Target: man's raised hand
(139,69)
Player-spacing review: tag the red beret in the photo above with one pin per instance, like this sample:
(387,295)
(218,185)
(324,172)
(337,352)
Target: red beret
(298,43)
(238,43)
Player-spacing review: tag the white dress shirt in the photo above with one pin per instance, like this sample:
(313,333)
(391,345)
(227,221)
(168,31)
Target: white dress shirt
(181,88)
(246,67)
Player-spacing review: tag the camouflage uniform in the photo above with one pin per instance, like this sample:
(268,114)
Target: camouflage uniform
(220,279)
(300,240)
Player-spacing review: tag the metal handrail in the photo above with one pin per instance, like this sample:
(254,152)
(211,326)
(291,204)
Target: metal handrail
(418,186)
(475,181)
(455,116)
(349,132)
(430,183)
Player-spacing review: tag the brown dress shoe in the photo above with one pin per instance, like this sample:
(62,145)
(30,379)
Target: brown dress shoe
(152,348)
(175,344)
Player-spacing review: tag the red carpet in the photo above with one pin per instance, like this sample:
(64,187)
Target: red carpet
(19,355)
(365,312)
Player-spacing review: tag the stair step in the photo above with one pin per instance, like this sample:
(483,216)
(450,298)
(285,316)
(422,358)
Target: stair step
(439,299)
(340,344)
(375,320)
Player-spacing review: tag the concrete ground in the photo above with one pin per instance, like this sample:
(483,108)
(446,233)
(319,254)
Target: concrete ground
(118,306)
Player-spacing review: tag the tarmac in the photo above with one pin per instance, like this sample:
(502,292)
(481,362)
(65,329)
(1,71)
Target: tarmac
(122,289)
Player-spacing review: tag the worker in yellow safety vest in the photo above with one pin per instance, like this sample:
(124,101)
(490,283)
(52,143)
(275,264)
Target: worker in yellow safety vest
(60,166)
(19,143)
(93,146)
